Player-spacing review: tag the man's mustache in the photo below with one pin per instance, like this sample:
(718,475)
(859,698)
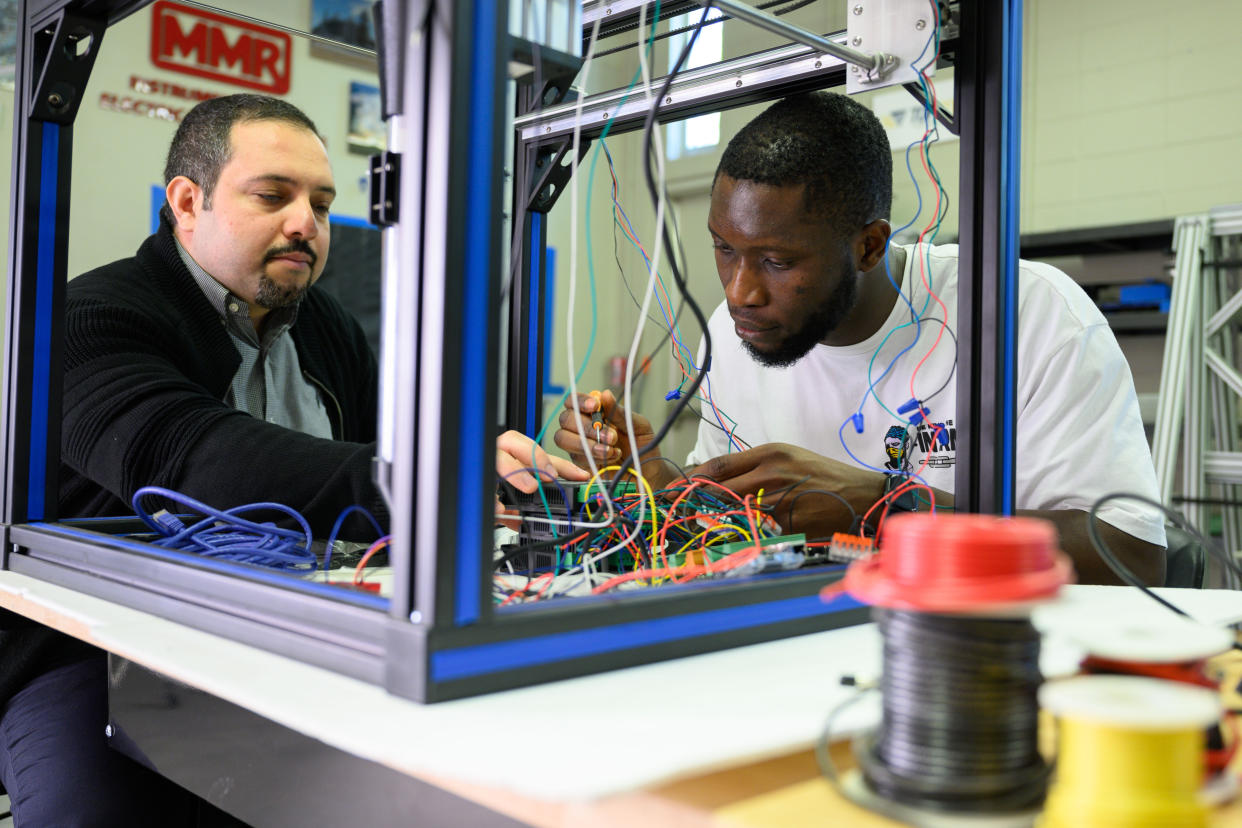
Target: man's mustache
(295,246)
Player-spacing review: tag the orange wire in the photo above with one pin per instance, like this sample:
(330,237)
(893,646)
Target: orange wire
(371,550)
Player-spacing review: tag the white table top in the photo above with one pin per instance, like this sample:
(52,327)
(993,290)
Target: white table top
(577,739)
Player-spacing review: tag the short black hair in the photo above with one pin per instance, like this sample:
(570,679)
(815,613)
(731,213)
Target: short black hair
(201,147)
(831,143)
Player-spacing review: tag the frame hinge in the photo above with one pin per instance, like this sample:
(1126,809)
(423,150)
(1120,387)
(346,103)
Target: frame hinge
(385,185)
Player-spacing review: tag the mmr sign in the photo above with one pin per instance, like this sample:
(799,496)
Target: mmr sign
(209,45)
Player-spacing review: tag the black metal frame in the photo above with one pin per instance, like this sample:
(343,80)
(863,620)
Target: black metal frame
(441,637)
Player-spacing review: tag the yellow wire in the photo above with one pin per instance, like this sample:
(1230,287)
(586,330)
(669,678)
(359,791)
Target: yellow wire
(642,480)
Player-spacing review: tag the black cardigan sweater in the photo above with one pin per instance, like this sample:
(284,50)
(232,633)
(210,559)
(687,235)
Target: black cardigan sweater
(147,366)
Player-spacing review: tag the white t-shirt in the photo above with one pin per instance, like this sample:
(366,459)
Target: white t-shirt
(1079,431)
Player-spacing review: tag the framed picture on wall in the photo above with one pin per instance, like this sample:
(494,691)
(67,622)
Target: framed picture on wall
(8,42)
(346,22)
(366,125)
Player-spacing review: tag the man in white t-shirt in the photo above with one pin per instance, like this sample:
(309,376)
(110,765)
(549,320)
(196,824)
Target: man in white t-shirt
(834,352)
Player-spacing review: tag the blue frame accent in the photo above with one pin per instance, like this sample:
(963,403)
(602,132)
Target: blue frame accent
(532,326)
(157,201)
(465,662)
(1011,172)
(40,370)
(361,599)
(351,221)
(475,294)
(549,312)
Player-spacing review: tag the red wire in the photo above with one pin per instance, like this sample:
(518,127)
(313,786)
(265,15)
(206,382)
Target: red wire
(371,550)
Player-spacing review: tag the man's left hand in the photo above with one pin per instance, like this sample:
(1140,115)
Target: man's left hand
(785,472)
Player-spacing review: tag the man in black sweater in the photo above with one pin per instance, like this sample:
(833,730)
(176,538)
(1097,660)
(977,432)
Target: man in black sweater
(209,364)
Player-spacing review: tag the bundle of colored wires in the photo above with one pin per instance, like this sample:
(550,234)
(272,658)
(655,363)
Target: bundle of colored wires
(227,535)
(672,535)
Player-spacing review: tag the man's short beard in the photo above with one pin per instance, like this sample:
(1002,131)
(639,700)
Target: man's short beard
(818,325)
(272,295)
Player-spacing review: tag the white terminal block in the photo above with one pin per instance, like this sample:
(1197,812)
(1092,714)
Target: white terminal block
(903,30)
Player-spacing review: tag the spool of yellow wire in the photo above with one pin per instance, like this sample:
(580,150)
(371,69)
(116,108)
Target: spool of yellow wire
(1130,752)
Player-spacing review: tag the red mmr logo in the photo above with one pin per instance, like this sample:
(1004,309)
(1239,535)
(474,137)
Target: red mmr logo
(209,45)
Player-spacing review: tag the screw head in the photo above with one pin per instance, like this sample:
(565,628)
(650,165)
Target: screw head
(920,24)
(737,83)
(854,69)
(858,9)
(108,731)
(547,129)
(857,41)
(890,60)
(668,100)
(56,99)
(818,64)
(416,617)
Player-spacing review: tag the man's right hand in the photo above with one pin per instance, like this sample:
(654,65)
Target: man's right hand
(610,444)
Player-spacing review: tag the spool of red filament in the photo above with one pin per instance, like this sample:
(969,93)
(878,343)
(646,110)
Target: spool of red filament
(960,563)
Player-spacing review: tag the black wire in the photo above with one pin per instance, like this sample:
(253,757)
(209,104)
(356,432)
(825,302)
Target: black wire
(1208,501)
(793,505)
(960,714)
(1123,572)
(953,370)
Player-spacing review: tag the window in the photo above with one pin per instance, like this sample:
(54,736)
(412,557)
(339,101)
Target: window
(703,132)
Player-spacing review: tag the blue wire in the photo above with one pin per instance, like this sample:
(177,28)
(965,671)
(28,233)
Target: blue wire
(916,318)
(226,535)
(336,527)
(841,437)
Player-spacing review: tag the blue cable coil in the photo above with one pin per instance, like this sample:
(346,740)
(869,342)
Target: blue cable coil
(226,534)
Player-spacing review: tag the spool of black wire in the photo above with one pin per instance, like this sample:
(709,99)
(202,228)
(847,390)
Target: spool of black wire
(958,732)
(960,714)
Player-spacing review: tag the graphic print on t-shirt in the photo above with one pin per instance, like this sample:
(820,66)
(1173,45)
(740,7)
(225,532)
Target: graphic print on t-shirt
(895,447)
(938,439)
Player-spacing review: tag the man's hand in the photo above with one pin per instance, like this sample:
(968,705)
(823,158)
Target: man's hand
(610,444)
(517,454)
(784,472)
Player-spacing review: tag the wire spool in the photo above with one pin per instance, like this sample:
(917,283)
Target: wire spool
(1131,752)
(960,714)
(958,733)
(1155,644)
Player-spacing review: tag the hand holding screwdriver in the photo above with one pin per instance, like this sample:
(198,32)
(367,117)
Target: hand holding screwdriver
(606,435)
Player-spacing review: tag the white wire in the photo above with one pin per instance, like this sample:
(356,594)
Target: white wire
(573,258)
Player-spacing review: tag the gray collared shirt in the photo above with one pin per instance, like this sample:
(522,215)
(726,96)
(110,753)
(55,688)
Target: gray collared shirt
(269,383)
